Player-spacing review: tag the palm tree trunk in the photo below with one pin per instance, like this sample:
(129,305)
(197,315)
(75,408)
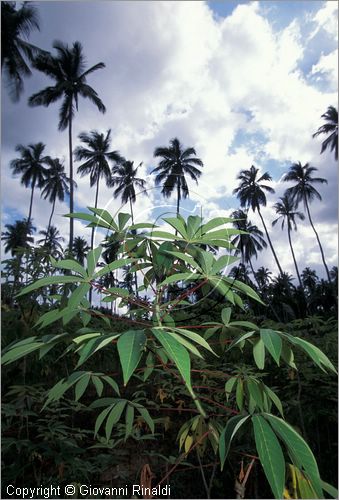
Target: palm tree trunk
(316,234)
(294,259)
(92,235)
(178,196)
(71,190)
(135,274)
(95,205)
(50,220)
(269,241)
(31,204)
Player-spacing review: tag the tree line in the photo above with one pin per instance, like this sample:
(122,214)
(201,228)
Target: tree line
(100,162)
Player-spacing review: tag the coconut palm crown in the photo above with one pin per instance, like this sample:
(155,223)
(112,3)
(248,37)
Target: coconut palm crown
(176,163)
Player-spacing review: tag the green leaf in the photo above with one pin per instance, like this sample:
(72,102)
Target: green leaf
(178,223)
(92,259)
(274,398)
(273,343)
(298,449)
(186,258)
(145,415)
(112,267)
(149,366)
(229,386)
(81,386)
(232,427)
(179,277)
(222,262)
(239,394)
(71,265)
(50,317)
(130,347)
(112,383)
(255,392)
(288,356)
(114,417)
(331,490)
(177,353)
(217,221)
(186,344)
(270,454)
(99,386)
(50,280)
(243,337)
(195,337)
(314,353)
(259,353)
(93,345)
(129,420)
(100,419)
(18,352)
(226,315)
(106,216)
(78,294)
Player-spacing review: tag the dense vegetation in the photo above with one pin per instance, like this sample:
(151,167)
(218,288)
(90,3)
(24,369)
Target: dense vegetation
(158,358)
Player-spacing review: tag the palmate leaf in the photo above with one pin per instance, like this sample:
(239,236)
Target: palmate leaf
(130,348)
(213,223)
(314,353)
(186,344)
(88,348)
(270,454)
(112,267)
(190,276)
(259,353)
(16,353)
(299,451)
(114,417)
(179,224)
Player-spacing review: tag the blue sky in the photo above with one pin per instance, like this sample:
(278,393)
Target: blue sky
(242,82)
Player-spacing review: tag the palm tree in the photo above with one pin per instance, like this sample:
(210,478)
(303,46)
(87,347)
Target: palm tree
(16,52)
(18,236)
(331,127)
(31,165)
(17,239)
(309,278)
(175,164)
(287,213)
(251,194)
(55,185)
(52,241)
(250,243)
(124,177)
(263,277)
(303,191)
(67,69)
(80,249)
(97,155)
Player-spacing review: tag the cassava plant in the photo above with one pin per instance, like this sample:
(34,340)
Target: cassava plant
(175,268)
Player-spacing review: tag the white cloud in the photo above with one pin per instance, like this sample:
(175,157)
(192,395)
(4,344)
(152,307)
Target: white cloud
(184,73)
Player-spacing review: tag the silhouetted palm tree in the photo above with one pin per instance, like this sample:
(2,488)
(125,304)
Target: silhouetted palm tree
(97,155)
(52,241)
(56,185)
(16,52)
(263,277)
(125,179)
(309,278)
(287,213)
(175,164)
(67,69)
(80,249)
(18,236)
(303,191)
(251,194)
(248,244)
(331,127)
(31,166)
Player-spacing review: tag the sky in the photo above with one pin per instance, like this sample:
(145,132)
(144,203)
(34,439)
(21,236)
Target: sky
(244,83)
